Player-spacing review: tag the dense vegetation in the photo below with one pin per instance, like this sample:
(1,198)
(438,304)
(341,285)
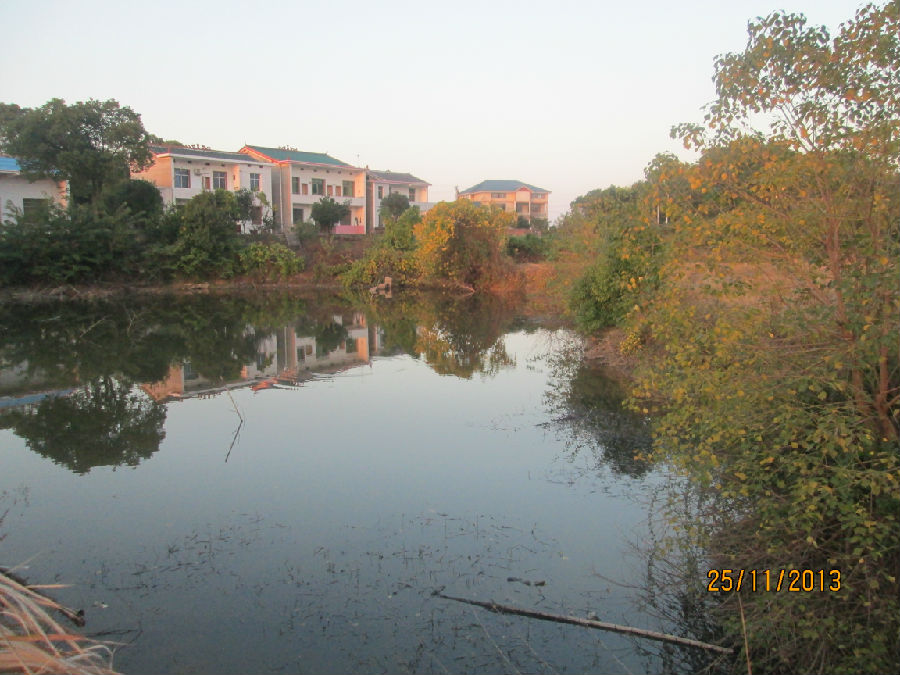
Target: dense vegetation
(759,287)
(458,243)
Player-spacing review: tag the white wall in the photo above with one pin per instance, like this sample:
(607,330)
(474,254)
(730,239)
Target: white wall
(14,188)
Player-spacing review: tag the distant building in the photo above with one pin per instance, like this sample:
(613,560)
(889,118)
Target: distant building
(19,193)
(513,196)
(380,184)
(181,173)
(304,178)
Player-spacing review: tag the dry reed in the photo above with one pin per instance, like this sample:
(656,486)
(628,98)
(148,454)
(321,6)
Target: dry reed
(32,641)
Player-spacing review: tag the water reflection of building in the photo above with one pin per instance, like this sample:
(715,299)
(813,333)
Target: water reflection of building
(286,358)
(22,386)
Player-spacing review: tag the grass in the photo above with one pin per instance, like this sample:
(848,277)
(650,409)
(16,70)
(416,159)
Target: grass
(32,641)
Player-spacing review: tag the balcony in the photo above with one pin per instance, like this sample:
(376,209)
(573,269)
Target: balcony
(312,199)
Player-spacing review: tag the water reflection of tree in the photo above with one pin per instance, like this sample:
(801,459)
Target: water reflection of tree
(675,589)
(105,348)
(107,422)
(455,336)
(587,404)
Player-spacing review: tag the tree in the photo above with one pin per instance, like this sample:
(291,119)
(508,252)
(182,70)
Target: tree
(327,213)
(394,205)
(208,241)
(462,242)
(140,196)
(107,422)
(398,232)
(777,336)
(90,144)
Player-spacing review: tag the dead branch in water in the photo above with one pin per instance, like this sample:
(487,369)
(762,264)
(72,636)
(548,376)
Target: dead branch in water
(587,623)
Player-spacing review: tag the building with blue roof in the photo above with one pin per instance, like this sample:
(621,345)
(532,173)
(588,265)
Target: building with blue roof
(19,194)
(526,201)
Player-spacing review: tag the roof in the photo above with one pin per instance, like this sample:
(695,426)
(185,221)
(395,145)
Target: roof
(196,152)
(501,186)
(9,164)
(393,177)
(282,155)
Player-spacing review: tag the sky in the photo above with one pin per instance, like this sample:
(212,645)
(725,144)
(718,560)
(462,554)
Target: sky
(567,96)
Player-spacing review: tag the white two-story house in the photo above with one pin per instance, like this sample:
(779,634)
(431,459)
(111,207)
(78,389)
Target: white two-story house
(181,173)
(380,184)
(304,178)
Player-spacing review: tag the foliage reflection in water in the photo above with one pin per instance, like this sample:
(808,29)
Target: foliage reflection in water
(305,474)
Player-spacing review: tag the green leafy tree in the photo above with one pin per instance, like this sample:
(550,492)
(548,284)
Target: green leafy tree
(327,213)
(394,205)
(91,144)
(140,196)
(208,242)
(398,232)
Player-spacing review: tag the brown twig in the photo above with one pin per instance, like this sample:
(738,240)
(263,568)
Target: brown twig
(587,623)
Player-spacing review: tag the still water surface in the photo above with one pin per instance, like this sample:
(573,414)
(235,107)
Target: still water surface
(281,484)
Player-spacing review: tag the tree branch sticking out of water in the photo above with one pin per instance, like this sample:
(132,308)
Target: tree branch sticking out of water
(587,623)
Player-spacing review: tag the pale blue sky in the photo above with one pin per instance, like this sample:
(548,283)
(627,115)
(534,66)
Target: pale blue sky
(568,96)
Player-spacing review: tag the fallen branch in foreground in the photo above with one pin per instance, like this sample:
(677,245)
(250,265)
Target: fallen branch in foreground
(588,623)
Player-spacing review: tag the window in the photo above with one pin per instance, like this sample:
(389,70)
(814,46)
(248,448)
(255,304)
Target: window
(318,186)
(220,180)
(298,216)
(182,178)
(295,185)
(381,192)
(539,195)
(256,215)
(254,182)
(345,220)
(348,188)
(337,190)
(412,194)
(34,206)
(521,208)
(305,188)
(498,195)
(331,191)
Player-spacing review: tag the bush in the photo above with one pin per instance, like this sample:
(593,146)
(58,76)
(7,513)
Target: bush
(616,282)
(306,231)
(381,262)
(529,248)
(462,242)
(391,255)
(270,261)
(53,245)
(398,232)
(140,196)
(207,244)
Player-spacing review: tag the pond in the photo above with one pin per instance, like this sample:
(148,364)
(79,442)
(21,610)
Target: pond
(283,484)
